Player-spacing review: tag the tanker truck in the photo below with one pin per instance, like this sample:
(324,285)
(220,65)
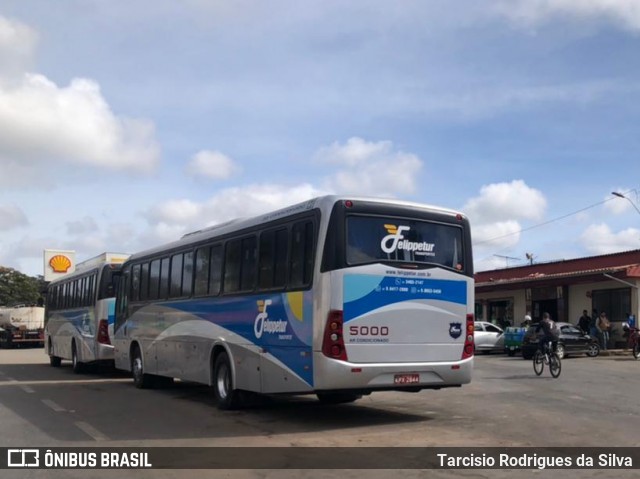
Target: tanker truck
(21,325)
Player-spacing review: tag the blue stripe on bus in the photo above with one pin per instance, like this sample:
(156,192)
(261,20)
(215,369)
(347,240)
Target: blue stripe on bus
(111,312)
(285,330)
(386,290)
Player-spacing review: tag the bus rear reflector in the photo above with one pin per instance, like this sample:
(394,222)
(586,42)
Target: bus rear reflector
(333,342)
(103,332)
(467,352)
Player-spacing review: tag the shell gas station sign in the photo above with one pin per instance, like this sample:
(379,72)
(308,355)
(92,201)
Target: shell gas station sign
(58,263)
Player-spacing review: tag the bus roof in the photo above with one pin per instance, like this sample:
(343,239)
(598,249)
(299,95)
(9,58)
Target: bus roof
(324,203)
(104,258)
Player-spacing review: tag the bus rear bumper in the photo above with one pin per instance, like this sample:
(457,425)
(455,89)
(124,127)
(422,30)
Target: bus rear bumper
(104,352)
(331,374)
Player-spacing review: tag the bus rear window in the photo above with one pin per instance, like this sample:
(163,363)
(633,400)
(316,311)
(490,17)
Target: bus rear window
(376,239)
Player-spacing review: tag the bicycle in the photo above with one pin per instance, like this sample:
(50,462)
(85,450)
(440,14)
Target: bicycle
(633,342)
(549,357)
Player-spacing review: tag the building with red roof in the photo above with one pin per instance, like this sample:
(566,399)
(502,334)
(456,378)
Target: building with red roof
(564,289)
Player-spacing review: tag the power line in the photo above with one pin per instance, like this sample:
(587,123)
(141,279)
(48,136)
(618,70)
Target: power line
(545,223)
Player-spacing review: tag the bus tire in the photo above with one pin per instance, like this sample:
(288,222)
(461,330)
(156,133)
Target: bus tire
(54,360)
(338,398)
(141,380)
(76,365)
(226,396)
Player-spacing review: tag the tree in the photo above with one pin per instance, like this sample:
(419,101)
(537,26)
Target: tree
(18,288)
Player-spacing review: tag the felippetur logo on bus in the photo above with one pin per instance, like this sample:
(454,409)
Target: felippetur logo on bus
(264,325)
(395,241)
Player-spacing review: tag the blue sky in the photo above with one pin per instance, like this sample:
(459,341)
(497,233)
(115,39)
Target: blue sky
(124,125)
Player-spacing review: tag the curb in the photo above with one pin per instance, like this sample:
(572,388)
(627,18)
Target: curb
(615,352)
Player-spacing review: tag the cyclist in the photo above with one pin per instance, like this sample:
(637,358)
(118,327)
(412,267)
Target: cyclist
(550,330)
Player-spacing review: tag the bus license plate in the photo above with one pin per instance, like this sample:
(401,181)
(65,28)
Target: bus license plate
(406,379)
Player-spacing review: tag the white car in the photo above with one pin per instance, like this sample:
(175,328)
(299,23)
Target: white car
(488,337)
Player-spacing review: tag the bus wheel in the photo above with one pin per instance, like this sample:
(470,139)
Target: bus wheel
(77,366)
(226,396)
(140,379)
(54,361)
(337,398)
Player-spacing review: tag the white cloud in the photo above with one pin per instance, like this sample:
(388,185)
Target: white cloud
(180,212)
(173,218)
(40,121)
(495,217)
(213,165)
(599,239)
(625,13)
(501,234)
(43,125)
(17,45)
(370,168)
(84,226)
(499,202)
(11,217)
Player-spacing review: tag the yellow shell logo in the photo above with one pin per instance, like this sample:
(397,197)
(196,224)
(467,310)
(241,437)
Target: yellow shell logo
(60,263)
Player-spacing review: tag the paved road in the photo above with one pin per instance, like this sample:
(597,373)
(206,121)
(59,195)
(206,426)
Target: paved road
(594,403)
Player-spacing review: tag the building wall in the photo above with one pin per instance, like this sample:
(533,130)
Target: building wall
(517,296)
(579,298)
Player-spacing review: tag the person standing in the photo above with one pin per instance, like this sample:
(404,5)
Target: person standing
(593,329)
(603,326)
(584,322)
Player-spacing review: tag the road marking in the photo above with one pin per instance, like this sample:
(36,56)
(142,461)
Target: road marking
(91,431)
(13,382)
(53,405)
(27,389)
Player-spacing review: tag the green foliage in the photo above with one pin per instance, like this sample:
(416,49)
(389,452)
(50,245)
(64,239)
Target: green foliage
(17,288)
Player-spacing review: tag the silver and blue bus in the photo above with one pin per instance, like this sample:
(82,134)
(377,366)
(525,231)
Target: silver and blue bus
(337,296)
(80,312)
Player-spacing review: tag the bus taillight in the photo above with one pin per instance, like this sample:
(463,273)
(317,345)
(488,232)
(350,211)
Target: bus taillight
(103,332)
(333,342)
(467,352)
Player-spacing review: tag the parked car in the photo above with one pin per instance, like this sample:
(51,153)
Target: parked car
(488,337)
(513,337)
(572,341)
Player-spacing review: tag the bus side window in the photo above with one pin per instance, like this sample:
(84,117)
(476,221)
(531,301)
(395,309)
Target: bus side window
(135,283)
(280,267)
(215,270)
(232,267)
(187,274)
(122,300)
(164,278)
(154,279)
(266,260)
(248,254)
(301,254)
(201,287)
(175,284)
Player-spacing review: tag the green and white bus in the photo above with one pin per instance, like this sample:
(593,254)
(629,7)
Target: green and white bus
(337,296)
